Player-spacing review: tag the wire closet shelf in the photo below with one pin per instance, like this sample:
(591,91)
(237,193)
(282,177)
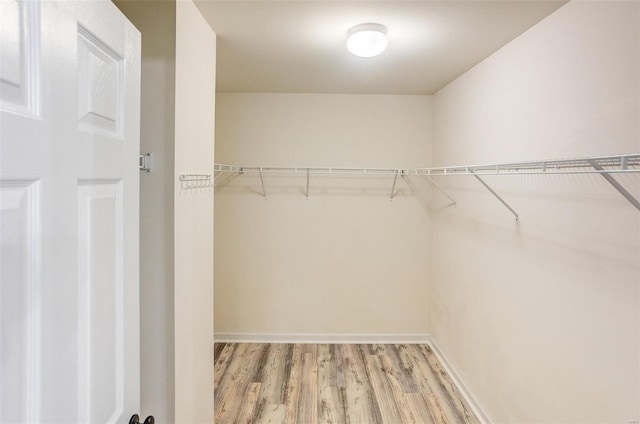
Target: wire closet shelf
(628,163)
(602,165)
(194,181)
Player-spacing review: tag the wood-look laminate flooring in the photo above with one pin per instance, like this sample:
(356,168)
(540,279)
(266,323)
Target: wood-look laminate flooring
(322,383)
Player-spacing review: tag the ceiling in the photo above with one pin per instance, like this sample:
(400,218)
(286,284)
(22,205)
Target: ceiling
(299,46)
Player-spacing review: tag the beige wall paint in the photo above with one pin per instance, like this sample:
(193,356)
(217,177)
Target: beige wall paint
(348,260)
(541,319)
(156,22)
(194,153)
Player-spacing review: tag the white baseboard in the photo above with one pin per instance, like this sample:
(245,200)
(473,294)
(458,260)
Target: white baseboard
(479,412)
(321,338)
(361,339)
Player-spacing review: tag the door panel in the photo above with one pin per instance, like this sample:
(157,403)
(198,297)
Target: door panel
(18,299)
(100,85)
(69,145)
(100,301)
(19,49)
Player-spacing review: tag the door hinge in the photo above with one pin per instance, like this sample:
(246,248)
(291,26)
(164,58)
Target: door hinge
(146,162)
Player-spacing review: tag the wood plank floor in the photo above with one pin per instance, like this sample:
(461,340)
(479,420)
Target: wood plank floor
(321,383)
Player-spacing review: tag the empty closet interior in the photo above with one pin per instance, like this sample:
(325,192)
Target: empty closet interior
(491,212)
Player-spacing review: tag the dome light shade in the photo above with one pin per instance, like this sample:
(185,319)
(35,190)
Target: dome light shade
(367,40)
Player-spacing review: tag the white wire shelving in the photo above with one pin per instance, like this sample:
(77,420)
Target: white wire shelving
(193,181)
(629,163)
(307,170)
(602,165)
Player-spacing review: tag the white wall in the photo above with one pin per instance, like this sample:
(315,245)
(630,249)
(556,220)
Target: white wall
(194,153)
(346,261)
(541,318)
(156,22)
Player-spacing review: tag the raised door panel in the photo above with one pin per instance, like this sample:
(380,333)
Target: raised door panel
(19,292)
(100,85)
(100,301)
(19,49)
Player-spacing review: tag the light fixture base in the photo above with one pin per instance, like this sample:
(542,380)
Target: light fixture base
(367,40)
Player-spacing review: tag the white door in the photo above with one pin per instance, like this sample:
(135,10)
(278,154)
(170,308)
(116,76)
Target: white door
(69,142)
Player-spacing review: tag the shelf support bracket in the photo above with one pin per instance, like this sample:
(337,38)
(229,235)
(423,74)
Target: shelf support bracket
(264,193)
(428,178)
(393,187)
(307,184)
(615,183)
(496,195)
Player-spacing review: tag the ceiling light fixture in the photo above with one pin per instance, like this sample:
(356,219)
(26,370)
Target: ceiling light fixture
(367,40)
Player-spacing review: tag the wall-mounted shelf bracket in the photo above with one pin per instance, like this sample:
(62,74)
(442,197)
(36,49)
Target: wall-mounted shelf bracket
(440,189)
(307,193)
(146,162)
(614,182)
(497,196)
(393,187)
(264,192)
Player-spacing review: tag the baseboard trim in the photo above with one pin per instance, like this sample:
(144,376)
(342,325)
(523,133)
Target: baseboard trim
(361,339)
(321,338)
(479,412)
